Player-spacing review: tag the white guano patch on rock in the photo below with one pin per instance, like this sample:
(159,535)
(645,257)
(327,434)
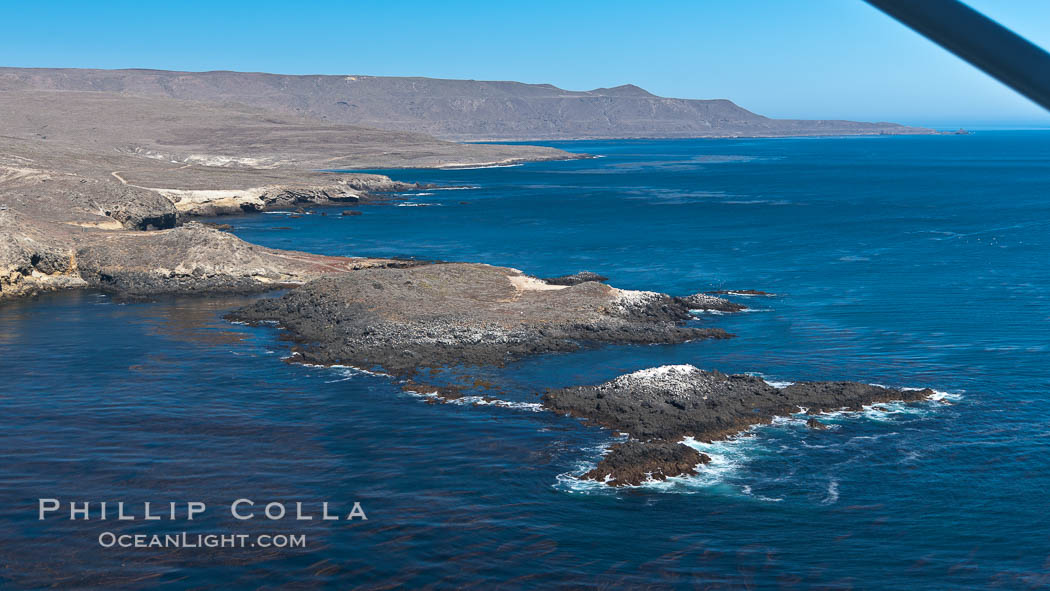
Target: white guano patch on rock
(628,299)
(672,378)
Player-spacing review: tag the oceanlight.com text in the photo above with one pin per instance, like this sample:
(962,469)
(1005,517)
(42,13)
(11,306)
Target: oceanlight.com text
(209,541)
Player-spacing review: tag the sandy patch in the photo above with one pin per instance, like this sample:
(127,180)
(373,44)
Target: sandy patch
(106,225)
(525,283)
(10,174)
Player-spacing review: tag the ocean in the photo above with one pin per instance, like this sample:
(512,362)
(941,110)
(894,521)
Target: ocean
(904,261)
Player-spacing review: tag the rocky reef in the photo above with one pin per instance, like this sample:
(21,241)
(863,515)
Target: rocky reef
(633,462)
(710,303)
(453,314)
(658,407)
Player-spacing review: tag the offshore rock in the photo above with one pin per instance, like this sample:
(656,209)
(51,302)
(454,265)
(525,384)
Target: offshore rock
(668,403)
(815,424)
(634,462)
(701,301)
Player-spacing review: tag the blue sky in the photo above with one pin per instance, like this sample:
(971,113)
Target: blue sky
(800,58)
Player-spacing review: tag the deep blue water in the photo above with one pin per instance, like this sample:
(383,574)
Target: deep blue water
(905,261)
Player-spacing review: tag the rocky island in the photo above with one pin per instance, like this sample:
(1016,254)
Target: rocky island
(659,407)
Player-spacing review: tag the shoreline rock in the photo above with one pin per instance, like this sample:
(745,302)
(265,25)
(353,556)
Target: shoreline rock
(463,314)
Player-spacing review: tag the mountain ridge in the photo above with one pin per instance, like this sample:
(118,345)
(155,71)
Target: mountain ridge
(461,110)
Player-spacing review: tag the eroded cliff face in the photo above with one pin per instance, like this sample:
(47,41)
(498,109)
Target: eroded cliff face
(197,259)
(188,259)
(68,221)
(31,264)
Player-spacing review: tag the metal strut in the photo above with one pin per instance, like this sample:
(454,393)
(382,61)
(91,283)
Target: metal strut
(1001,53)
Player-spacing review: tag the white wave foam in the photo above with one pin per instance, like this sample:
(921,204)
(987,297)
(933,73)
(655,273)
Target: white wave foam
(416,194)
(742,294)
(711,312)
(727,458)
(795,420)
(347,371)
(747,492)
(480,401)
(939,395)
(479,167)
(455,188)
(413,204)
(833,493)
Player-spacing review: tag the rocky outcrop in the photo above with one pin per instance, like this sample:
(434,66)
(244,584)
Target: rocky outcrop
(207,202)
(197,259)
(463,314)
(133,207)
(634,462)
(666,404)
(576,278)
(701,301)
(29,265)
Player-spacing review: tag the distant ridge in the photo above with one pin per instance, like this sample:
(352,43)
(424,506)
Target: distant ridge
(452,109)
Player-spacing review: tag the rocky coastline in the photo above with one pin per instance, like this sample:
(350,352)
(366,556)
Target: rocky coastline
(104,196)
(90,178)
(64,233)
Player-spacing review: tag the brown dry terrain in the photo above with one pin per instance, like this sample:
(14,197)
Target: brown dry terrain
(89,155)
(452,109)
(84,171)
